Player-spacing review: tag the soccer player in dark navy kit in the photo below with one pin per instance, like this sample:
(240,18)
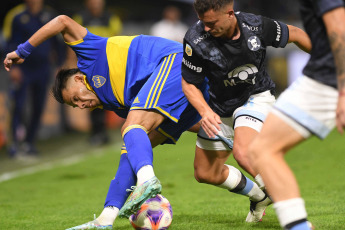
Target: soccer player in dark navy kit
(313,105)
(229,50)
(31,78)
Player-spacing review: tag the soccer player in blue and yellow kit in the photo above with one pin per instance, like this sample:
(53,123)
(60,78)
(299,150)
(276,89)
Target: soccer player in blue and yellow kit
(139,78)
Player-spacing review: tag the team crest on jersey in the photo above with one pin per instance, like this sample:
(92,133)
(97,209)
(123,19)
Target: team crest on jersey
(254,43)
(188,50)
(98,81)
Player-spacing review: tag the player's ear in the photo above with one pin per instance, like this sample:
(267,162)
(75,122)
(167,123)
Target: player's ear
(79,78)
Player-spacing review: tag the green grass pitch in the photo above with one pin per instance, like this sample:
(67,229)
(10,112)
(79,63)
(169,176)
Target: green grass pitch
(69,195)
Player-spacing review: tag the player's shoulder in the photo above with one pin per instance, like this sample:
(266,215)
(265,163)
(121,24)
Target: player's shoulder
(249,18)
(196,34)
(17,11)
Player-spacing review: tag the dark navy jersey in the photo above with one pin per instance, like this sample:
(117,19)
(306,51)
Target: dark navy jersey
(235,68)
(321,66)
(22,25)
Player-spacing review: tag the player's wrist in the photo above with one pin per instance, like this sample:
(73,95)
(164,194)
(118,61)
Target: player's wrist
(24,50)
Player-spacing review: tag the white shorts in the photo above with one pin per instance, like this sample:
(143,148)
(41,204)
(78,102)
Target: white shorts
(309,107)
(251,114)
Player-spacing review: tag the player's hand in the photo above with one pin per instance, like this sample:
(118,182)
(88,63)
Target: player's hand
(210,123)
(16,75)
(12,58)
(340,113)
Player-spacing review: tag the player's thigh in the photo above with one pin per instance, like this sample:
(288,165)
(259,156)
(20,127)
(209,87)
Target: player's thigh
(243,137)
(156,138)
(276,136)
(149,119)
(195,128)
(210,160)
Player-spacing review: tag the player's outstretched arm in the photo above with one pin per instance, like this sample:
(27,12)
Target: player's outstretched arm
(300,38)
(70,30)
(209,120)
(335,24)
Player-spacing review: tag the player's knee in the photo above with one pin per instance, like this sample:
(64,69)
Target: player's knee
(240,154)
(200,175)
(204,176)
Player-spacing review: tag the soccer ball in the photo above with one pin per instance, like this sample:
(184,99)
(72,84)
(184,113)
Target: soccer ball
(154,214)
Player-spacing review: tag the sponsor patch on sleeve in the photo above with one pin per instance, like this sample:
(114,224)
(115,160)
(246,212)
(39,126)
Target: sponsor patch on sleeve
(188,50)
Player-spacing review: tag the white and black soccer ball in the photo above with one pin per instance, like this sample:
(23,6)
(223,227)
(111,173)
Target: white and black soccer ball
(154,214)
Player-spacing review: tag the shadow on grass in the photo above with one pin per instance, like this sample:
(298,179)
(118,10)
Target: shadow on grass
(207,222)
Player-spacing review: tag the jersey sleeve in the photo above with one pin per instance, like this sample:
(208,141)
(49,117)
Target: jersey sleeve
(275,33)
(90,48)
(324,6)
(192,71)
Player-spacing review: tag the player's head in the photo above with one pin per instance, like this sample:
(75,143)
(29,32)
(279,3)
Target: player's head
(172,13)
(218,16)
(95,7)
(70,88)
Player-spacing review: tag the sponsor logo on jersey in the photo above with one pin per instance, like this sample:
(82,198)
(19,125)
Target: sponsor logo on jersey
(188,50)
(251,119)
(191,66)
(202,37)
(242,74)
(279,31)
(251,28)
(136,100)
(98,81)
(24,19)
(254,43)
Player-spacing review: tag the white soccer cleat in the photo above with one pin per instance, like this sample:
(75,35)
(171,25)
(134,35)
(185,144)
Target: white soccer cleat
(257,209)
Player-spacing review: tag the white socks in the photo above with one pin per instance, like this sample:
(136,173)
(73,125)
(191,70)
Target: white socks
(260,182)
(239,184)
(145,173)
(289,211)
(233,179)
(108,215)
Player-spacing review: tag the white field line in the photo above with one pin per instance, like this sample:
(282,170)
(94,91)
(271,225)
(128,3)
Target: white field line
(46,166)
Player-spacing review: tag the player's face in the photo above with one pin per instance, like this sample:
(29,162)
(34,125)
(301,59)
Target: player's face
(77,95)
(220,23)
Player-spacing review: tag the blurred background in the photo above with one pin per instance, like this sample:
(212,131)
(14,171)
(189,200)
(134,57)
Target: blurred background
(166,18)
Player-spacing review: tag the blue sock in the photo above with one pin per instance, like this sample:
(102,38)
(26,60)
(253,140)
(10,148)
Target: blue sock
(301,226)
(244,187)
(124,179)
(138,146)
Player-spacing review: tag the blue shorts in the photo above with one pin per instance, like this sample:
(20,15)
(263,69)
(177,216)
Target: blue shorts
(163,92)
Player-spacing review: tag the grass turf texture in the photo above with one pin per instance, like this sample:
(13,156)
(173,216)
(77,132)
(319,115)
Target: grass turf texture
(66,196)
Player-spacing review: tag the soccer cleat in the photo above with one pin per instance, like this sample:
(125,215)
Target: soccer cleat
(257,209)
(310,225)
(139,195)
(91,225)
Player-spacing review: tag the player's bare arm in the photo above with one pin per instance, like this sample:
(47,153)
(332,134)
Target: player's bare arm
(300,38)
(210,119)
(70,30)
(335,24)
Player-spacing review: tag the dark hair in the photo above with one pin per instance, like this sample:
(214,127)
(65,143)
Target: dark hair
(60,82)
(201,6)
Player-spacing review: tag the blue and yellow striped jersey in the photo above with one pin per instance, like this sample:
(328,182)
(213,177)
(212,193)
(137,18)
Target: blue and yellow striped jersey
(117,67)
